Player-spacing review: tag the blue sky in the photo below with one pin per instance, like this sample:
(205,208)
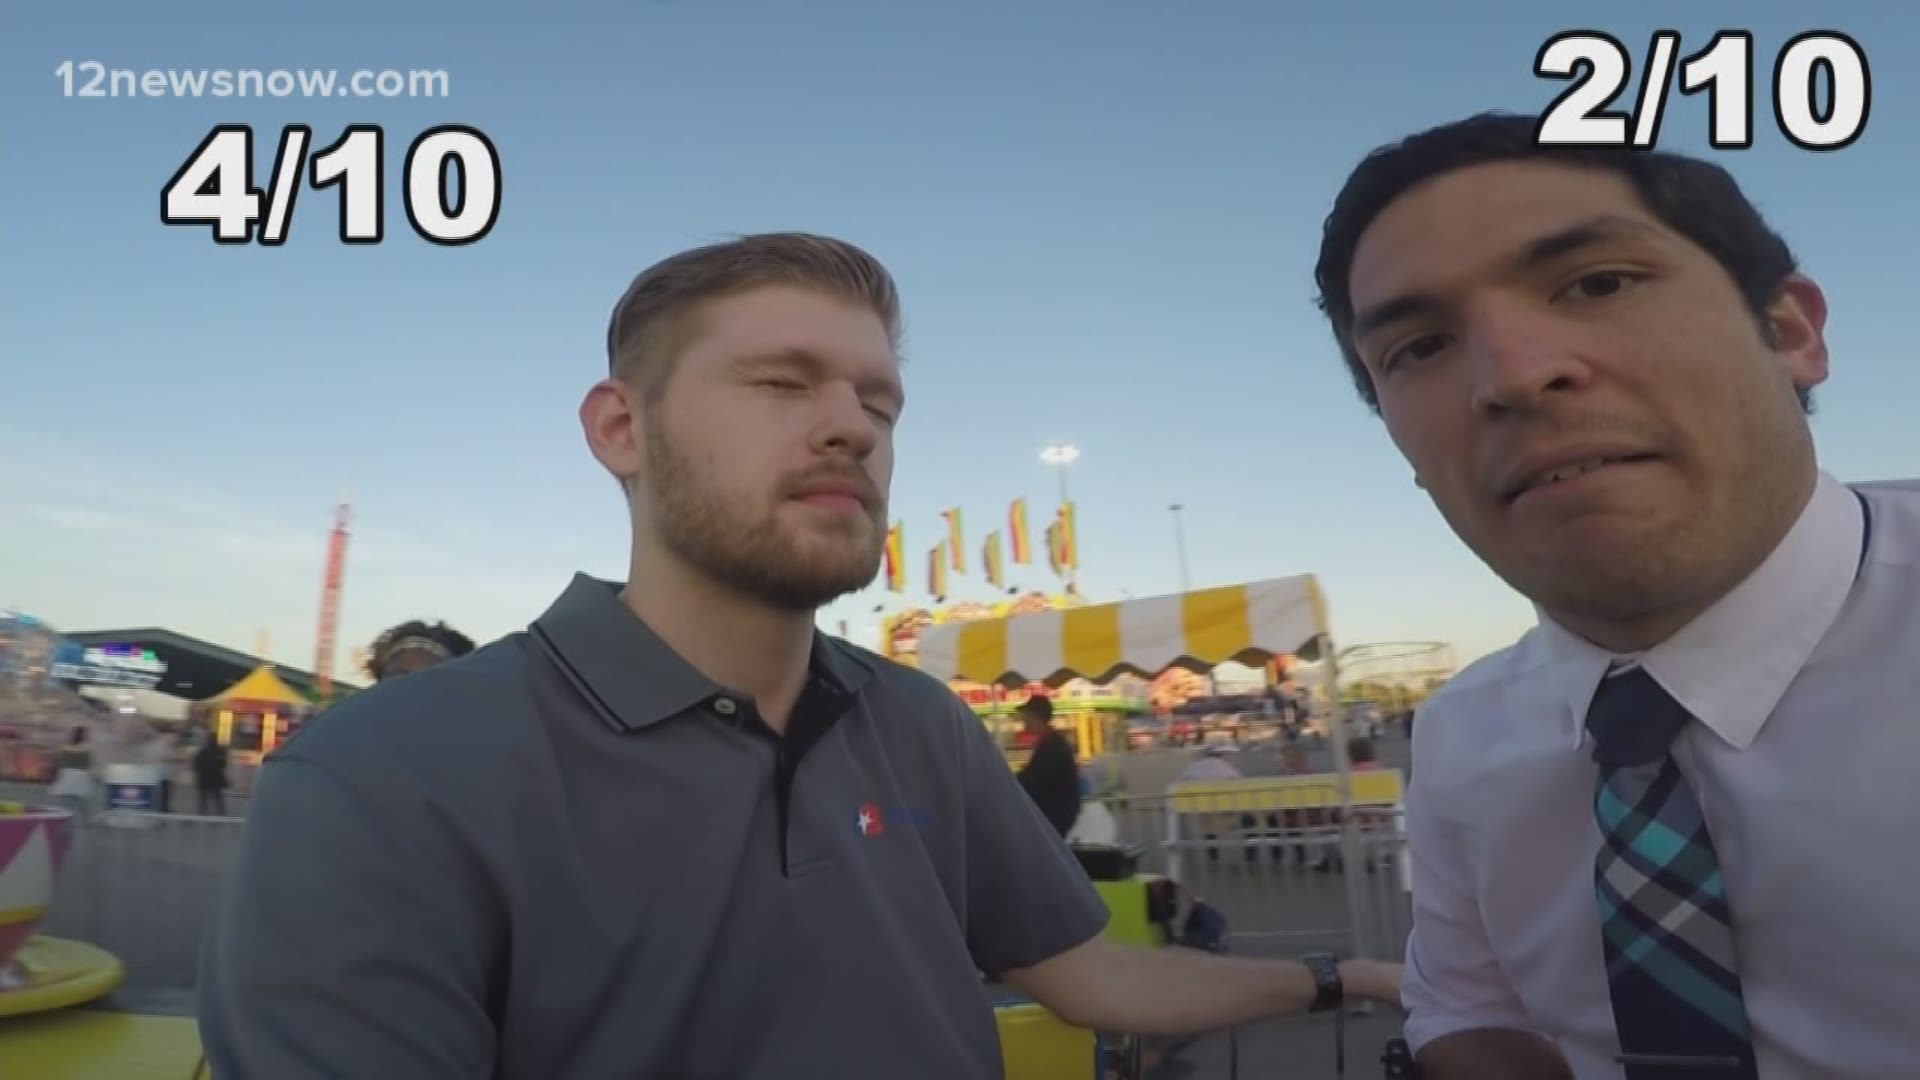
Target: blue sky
(1103,216)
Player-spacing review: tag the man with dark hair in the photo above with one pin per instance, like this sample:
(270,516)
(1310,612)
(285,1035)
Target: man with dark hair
(1656,830)
(1050,776)
(673,829)
(412,646)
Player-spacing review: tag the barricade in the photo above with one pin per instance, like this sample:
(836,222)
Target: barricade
(1280,859)
(1269,853)
(143,886)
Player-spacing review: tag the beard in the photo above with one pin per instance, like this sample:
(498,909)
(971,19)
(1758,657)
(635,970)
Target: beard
(757,554)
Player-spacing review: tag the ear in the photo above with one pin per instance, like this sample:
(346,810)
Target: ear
(1798,321)
(610,417)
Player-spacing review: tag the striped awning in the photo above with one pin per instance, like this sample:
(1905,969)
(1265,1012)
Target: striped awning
(1250,623)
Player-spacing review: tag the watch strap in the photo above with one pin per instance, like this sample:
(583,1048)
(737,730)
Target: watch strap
(1329,988)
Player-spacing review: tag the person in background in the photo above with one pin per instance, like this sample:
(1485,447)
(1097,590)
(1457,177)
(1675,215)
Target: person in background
(1212,763)
(151,746)
(73,776)
(1051,776)
(413,646)
(1294,761)
(179,764)
(1362,756)
(1360,753)
(210,776)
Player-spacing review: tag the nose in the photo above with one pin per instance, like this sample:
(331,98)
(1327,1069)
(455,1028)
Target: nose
(844,426)
(1520,357)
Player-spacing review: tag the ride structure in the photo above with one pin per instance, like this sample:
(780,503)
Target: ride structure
(330,605)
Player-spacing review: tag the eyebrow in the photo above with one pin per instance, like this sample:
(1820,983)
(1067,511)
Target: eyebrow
(1576,237)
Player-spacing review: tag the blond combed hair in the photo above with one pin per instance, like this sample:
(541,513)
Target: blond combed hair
(648,325)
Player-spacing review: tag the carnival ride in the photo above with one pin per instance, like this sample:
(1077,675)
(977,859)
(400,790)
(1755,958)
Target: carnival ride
(45,1032)
(1395,675)
(330,604)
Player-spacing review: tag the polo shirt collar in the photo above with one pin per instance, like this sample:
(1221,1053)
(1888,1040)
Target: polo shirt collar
(634,676)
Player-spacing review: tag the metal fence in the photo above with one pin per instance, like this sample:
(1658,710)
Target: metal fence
(1308,877)
(142,886)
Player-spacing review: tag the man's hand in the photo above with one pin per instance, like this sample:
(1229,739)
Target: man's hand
(1103,986)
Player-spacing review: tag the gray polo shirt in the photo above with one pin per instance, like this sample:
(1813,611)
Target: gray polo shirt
(570,856)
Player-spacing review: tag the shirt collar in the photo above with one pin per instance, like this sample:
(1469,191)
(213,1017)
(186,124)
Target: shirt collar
(1730,666)
(634,677)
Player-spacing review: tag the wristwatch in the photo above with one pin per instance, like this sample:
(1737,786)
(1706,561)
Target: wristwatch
(1330,991)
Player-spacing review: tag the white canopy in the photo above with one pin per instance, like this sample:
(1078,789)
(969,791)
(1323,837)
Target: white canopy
(1250,623)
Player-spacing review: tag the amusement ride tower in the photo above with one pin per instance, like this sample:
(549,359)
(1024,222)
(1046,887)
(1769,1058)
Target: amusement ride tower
(330,605)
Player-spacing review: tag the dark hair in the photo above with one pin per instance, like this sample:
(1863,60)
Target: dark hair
(1360,750)
(456,643)
(1695,198)
(1039,706)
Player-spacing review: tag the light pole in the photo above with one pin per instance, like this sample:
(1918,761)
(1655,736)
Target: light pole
(1061,455)
(1180,547)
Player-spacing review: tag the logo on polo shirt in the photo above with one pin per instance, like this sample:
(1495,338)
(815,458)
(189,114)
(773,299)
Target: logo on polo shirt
(871,819)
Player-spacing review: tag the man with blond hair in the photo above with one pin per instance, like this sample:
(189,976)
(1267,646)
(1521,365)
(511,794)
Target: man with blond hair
(672,829)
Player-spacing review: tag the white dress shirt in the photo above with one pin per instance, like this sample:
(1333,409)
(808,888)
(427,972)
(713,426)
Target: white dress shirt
(1806,759)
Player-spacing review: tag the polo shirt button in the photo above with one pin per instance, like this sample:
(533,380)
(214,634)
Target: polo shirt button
(724,706)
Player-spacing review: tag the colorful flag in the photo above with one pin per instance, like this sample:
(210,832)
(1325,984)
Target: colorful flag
(1017,532)
(1069,538)
(1053,545)
(956,546)
(937,570)
(896,559)
(990,560)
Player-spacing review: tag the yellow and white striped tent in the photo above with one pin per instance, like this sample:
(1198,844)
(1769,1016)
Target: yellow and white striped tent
(1250,623)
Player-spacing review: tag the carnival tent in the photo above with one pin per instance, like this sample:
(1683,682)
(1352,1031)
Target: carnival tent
(260,687)
(1199,630)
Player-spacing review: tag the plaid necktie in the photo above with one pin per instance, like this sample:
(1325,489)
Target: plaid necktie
(1666,927)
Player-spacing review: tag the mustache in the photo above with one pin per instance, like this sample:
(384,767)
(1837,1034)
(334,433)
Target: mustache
(855,480)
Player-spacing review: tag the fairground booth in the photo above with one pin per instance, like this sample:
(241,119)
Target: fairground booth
(1093,714)
(1052,649)
(250,718)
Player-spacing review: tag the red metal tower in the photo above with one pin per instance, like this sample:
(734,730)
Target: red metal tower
(330,605)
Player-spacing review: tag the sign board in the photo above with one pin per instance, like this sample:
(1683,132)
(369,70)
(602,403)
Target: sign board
(133,787)
(106,665)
